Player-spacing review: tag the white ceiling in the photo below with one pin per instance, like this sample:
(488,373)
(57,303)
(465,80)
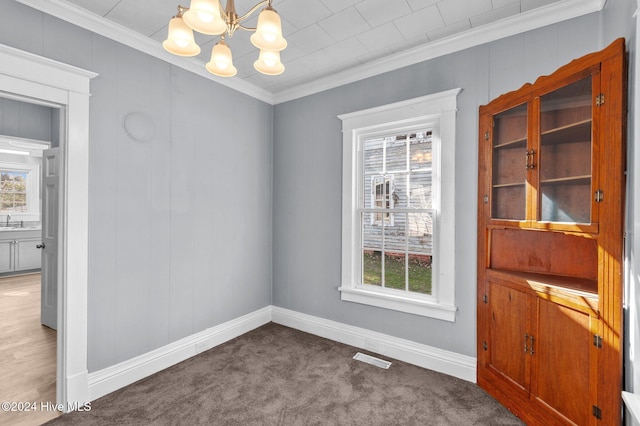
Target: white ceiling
(329,38)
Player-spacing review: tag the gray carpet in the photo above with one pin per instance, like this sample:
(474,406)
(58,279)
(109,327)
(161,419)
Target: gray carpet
(275,375)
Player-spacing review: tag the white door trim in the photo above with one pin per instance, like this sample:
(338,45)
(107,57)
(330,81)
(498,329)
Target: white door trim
(35,79)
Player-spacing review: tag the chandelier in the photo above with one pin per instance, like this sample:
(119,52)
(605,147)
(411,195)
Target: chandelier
(208,17)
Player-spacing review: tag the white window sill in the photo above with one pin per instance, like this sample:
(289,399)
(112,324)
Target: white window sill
(400,303)
(632,401)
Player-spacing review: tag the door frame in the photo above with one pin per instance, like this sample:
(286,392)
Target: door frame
(36,79)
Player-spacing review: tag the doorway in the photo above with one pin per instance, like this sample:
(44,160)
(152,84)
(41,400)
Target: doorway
(42,81)
(28,293)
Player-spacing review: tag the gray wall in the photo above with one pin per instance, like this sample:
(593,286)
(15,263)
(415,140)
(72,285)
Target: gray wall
(307,170)
(180,225)
(25,120)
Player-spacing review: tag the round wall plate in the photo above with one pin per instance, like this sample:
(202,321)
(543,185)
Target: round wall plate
(139,126)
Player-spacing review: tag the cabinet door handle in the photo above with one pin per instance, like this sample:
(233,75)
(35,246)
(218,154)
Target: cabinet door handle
(526,339)
(40,246)
(531,161)
(531,348)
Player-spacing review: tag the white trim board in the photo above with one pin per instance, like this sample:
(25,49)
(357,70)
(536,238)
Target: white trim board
(127,372)
(526,21)
(120,375)
(442,361)
(632,402)
(35,79)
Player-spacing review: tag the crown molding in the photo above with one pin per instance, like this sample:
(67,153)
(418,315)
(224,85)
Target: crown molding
(527,21)
(97,24)
(39,69)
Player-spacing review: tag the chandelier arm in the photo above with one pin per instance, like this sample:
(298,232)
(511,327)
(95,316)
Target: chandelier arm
(250,29)
(253,9)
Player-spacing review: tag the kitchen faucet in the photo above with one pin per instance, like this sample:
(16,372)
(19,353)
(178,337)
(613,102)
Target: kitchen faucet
(8,219)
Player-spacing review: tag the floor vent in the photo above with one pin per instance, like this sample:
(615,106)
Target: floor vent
(372,360)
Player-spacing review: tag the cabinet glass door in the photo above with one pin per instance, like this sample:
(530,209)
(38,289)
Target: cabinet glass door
(509,172)
(565,154)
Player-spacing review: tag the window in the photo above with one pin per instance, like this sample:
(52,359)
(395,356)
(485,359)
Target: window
(396,211)
(20,191)
(398,239)
(13,191)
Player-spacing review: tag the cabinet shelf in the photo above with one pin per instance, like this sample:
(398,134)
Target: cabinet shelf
(508,185)
(571,133)
(585,291)
(521,142)
(583,179)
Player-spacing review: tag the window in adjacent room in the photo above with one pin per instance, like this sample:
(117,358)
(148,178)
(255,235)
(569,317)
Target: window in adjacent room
(398,206)
(13,191)
(20,191)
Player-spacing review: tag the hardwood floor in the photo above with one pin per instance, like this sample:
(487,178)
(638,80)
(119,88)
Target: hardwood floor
(27,352)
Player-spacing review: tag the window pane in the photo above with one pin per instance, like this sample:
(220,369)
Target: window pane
(394,270)
(565,153)
(420,273)
(371,267)
(421,196)
(509,164)
(420,227)
(395,238)
(373,155)
(399,193)
(378,195)
(395,246)
(396,154)
(420,154)
(372,250)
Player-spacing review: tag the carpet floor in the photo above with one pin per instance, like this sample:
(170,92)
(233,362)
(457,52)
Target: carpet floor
(275,375)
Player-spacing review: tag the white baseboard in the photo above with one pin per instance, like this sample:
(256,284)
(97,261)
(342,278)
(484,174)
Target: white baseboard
(115,377)
(120,375)
(76,391)
(451,363)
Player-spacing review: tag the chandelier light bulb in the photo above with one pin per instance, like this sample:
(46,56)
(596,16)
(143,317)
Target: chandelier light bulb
(204,17)
(268,35)
(269,63)
(180,39)
(221,63)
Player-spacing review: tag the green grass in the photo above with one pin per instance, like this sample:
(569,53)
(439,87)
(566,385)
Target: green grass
(419,272)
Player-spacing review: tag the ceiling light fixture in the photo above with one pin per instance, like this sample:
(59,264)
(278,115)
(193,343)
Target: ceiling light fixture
(208,17)
(13,151)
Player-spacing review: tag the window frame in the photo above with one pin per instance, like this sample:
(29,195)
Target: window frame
(436,112)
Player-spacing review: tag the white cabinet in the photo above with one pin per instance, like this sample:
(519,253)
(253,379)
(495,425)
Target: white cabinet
(19,251)
(6,256)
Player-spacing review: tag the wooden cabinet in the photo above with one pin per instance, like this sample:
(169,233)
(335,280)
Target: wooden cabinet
(550,212)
